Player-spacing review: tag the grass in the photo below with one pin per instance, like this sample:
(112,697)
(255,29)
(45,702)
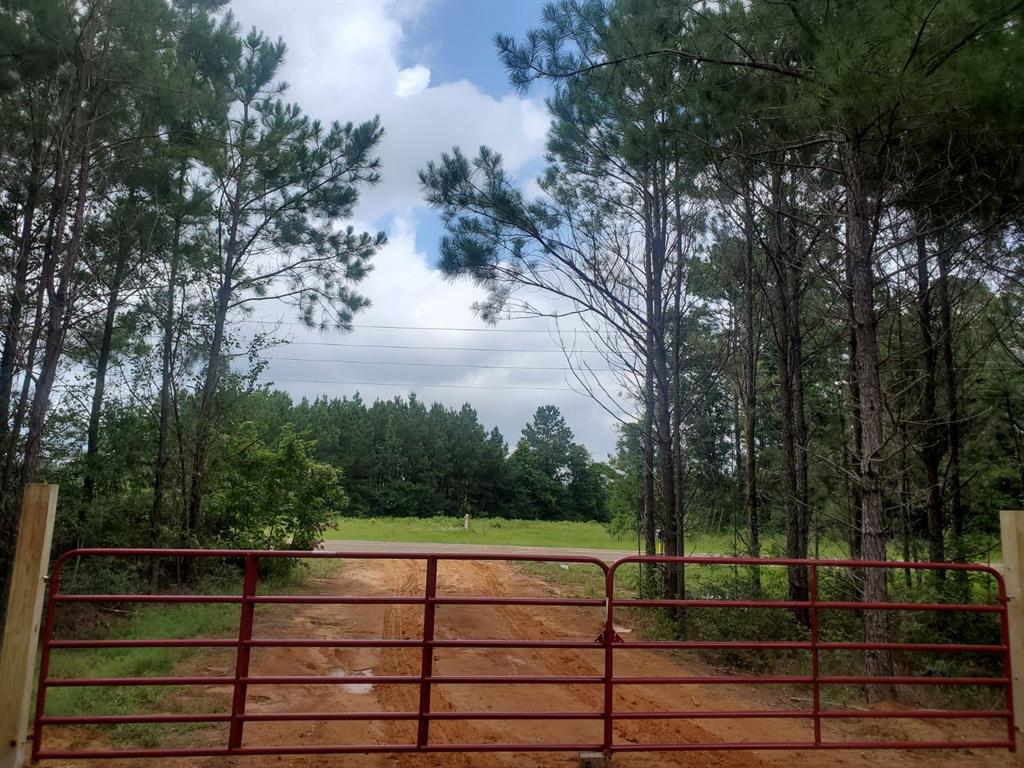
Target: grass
(485,530)
(729,583)
(592,535)
(535,533)
(151,621)
(148,622)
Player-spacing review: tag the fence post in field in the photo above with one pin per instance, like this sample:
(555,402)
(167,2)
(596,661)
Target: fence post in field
(24,611)
(1011,524)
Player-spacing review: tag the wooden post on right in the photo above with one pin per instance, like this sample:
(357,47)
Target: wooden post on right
(1011,524)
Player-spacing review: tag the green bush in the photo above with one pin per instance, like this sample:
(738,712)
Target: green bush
(274,496)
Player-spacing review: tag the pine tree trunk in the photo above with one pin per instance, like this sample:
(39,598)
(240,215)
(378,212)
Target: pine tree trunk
(650,502)
(214,362)
(666,476)
(16,300)
(677,404)
(54,321)
(899,416)
(796,368)
(750,395)
(10,475)
(859,246)
(58,315)
(163,423)
(929,422)
(56,224)
(99,384)
(952,407)
(856,512)
(787,288)
(9,505)
(657,224)
(92,446)
(904,497)
(650,536)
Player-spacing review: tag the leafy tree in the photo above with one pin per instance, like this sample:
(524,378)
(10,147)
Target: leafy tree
(553,476)
(274,496)
(281,182)
(86,109)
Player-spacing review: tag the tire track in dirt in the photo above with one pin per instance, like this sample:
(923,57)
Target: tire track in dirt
(524,625)
(406,577)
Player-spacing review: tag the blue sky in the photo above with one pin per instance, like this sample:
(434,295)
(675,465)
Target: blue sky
(456,40)
(429,69)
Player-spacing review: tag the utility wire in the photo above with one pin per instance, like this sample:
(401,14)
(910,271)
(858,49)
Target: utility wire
(417,386)
(358,326)
(447,349)
(426,347)
(436,365)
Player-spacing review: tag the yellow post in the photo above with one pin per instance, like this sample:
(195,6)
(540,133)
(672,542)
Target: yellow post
(21,629)
(1011,524)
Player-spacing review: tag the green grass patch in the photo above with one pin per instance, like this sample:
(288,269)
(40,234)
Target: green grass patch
(535,533)
(150,622)
(483,530)
(722,582)
(573,580)
(154,621)
(591,535)
(183,620)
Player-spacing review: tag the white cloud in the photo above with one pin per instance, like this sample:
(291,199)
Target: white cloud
(452,367)
(406,291)
(343,50)
(344,63)
(412,81)
(419,128)
(349,61)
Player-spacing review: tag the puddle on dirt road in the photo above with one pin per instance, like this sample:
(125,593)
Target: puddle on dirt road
(353,687)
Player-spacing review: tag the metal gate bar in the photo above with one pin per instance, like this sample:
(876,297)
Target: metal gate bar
(241,678)
(816,680)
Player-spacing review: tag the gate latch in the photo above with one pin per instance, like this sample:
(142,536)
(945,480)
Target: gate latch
(615,638)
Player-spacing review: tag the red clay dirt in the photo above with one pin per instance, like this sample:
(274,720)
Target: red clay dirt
(379,577)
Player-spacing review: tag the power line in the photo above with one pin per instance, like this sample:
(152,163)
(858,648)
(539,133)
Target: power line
(584,331)
(426,347)
(438,365)
(446,349)
(417,386)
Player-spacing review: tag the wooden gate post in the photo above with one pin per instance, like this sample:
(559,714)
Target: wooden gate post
(1011,525)
(24,611)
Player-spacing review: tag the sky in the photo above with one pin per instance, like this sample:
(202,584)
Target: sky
(430,70)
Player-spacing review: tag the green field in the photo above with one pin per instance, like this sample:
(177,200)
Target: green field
(529,533)
(548,533)
(489,530)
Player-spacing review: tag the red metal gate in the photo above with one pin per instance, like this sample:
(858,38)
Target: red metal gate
(609,642)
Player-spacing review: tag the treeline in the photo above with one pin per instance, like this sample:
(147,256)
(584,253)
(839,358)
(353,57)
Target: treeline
(401,457)
(280,473)
(794,230)
(155,186)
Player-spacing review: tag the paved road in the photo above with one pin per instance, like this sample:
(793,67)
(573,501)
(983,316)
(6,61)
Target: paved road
(402,547)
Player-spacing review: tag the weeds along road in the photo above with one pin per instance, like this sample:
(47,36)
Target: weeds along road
(381,577)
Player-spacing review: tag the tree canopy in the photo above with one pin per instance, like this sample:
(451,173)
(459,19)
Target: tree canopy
(793,230)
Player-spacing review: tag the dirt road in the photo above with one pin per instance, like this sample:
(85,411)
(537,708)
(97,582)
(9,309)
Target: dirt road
(368,577)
